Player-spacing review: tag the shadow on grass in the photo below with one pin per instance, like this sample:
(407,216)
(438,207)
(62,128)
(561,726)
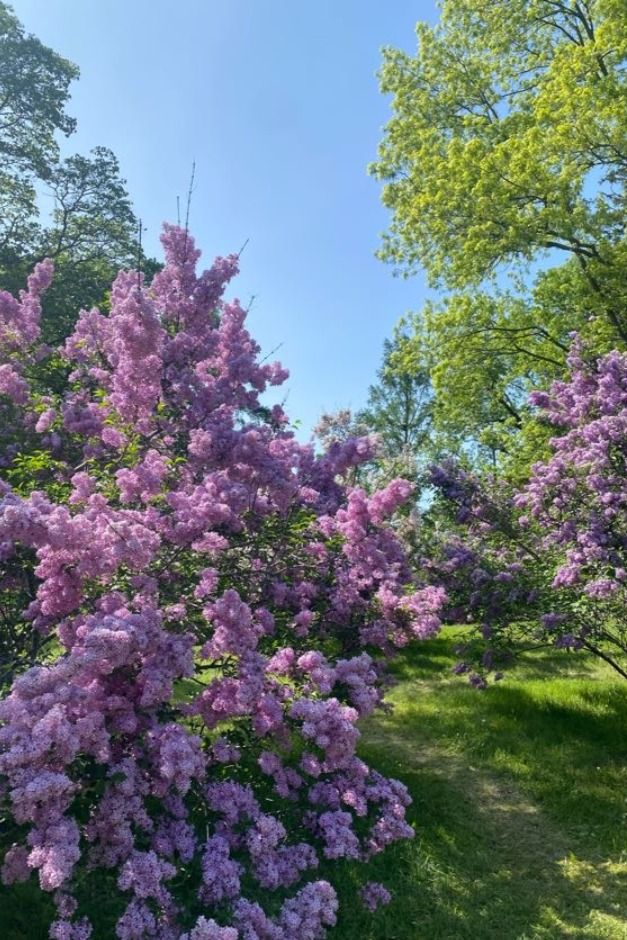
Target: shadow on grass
(484,865)
(436,657)
(519,802)
(563,743)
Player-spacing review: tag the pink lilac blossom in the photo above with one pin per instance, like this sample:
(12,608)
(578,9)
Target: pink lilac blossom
(221,601)
(545,561)
(208,930)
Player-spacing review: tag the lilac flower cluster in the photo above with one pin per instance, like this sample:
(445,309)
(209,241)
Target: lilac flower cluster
(373,895)
(487,564)
(547,562)
(578,500)
(19,333)
(221,601)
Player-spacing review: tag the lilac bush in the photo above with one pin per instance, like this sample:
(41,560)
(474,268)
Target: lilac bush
(215,607)
(545,563)
(578,502)
(493,572)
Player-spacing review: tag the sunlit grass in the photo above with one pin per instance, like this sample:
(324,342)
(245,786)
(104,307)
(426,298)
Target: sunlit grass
(520,802)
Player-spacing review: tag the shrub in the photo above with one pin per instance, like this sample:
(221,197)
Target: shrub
(214,608)
(546,563)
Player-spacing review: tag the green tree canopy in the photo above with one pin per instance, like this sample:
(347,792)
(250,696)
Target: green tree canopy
(92,234)
(88,227)
(507,153)
(34,89)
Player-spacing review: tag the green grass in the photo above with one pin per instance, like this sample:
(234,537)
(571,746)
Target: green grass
(520,803)
(520,807)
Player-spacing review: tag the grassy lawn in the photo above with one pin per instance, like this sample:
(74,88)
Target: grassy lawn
(520,807)
(520,802)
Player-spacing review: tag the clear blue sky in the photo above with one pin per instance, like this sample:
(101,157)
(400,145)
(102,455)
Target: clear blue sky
(278,104)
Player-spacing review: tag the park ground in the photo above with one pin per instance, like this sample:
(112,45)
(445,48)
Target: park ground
(519,802)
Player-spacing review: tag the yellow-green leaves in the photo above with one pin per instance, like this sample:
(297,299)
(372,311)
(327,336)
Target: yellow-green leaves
(499,122)
(506,157)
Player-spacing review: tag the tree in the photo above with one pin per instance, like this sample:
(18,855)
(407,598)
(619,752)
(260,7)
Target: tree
(220,605)
(483,354)
(92,230)
(93,233)
(34,90)
(399,404)
(507,151)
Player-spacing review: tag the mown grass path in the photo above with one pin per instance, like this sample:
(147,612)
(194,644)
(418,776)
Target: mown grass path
(520,803)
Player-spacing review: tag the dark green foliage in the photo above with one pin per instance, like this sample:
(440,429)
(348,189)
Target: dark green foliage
(88,227)
(399,403)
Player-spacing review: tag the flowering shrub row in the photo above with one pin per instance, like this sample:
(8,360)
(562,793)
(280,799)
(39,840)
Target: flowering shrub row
(547,562)
(208,608)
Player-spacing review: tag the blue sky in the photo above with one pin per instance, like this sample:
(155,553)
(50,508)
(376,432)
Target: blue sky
(277,103)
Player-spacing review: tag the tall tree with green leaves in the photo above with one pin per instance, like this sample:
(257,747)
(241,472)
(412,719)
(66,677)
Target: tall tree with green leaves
(34,90)
(92,234)
(507,154)
(399,402)
(89,228)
